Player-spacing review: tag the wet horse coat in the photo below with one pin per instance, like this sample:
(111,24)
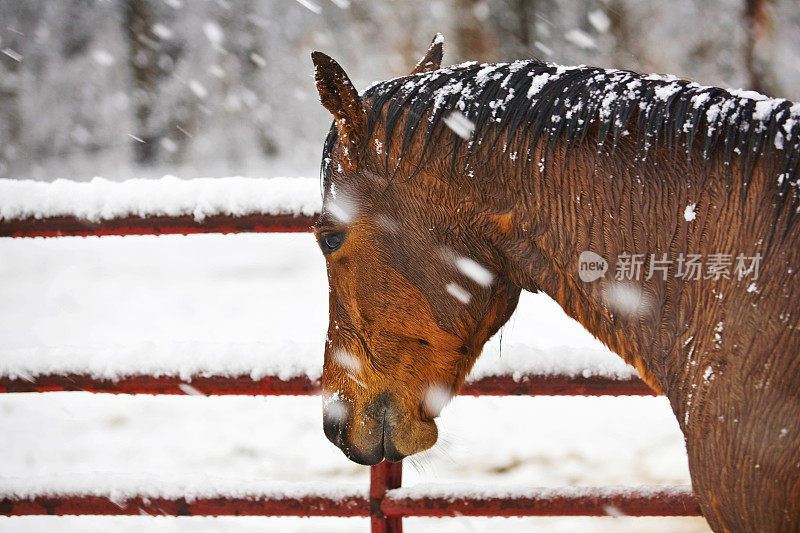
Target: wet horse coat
(432,224)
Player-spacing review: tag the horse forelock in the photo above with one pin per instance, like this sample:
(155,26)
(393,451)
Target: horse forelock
(511,106)
(327,157)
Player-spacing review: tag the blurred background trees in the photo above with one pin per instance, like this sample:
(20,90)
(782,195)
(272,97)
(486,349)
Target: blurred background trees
(125,88)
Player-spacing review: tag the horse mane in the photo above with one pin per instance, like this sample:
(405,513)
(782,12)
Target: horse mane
(519,103)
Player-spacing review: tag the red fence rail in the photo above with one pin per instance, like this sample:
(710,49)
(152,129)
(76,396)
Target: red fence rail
(526,385)
(385,502)
(71,226)
(309,504)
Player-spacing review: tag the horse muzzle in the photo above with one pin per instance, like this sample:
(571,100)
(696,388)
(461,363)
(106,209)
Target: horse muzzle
(377,431)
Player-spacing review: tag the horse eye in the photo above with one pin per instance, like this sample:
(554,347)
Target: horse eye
(331,242)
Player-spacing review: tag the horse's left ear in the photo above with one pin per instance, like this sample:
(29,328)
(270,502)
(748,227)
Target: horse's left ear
(433,57)
(337,94)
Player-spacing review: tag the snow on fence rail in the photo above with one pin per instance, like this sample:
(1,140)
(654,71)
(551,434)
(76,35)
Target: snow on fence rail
(153,207)
(523,385)
(381,499)
(292,368)
(201,495)
(169,205)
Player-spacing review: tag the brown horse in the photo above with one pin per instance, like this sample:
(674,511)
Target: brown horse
(448,191)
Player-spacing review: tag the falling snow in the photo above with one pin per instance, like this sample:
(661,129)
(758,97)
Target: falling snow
(162,32)
(311,6)
(213,33)
(198,89)
(347,361)
(16,56)
(627,299)
(188,389)
(340,206)
(258,60)
(475,271)
(335,405)
(461,125)
(599,20)
(458,292)
(580,38)
(435,398)
(103,58)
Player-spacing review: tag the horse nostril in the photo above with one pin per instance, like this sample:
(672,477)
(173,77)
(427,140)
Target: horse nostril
(389,450)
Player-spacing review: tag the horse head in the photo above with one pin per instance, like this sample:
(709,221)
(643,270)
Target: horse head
(415,290)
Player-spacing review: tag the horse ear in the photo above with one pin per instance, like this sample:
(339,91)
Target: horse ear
(433,57)
(337,94)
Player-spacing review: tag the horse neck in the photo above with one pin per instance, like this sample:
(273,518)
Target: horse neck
(613,204)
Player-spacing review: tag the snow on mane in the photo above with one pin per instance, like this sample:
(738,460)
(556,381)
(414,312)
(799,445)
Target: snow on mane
(101,199)
(513,105)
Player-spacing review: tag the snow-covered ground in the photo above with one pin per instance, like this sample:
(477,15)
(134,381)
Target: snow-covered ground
(241,301)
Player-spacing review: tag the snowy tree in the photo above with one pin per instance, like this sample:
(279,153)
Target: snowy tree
(146,87)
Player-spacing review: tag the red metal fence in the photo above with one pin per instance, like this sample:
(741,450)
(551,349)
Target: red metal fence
(385,502)
(524,385)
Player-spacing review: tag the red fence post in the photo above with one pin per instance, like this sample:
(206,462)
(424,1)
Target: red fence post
(382,477)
